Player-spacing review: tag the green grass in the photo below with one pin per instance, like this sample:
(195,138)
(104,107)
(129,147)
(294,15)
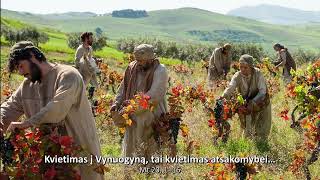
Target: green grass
(57,45)
(111,150)
(169,61)
(110,53)
(12,23)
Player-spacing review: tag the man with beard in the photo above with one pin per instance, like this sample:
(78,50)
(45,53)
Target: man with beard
(83,60)
(148,76)
(219,63)
(51,94)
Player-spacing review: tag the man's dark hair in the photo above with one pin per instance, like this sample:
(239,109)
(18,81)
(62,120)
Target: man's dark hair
(278,46)
(24,54)
(85,35)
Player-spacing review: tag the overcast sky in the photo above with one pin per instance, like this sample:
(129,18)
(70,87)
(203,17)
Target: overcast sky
(106,6)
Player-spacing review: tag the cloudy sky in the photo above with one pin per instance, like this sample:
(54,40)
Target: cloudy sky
(106,6)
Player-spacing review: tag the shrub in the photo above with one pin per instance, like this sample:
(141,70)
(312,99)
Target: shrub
(29,33)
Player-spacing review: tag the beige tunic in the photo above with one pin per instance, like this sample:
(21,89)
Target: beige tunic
(82,57)
(82,51)
(258,123)
(219,64)
(59,98)
(138,139)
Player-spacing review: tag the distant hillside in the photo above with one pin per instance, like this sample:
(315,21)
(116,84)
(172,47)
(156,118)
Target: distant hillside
(276,14)
(182,25)
(68,16)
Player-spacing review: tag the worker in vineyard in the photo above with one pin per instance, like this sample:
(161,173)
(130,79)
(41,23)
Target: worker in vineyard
(219,64)
(255,117)
(85,63)
(145,74)
(51,94)
(286,61)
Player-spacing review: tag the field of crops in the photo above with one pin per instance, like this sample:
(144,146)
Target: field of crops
(188,92)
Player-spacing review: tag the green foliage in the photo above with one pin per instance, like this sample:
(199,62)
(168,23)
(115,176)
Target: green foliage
(235,147)
(129,13)
(98,32)
(189,52)
(168,49)
(239,36)
(99,43)
(254,50)
(29,33)
(228,35)
(74,40)
(303,56)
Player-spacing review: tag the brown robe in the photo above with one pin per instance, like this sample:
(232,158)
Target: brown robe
(287,62)
(219,65)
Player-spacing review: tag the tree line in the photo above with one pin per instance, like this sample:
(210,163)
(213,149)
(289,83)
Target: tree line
(129,13)
(191,52)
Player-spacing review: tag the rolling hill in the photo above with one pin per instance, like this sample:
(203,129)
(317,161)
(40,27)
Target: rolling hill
(182,25)
(276,14)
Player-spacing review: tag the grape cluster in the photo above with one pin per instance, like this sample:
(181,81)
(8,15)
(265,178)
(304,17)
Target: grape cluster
(241,171)
(91,92)
(175,126)
(94,105)
(6,151)
(218,110)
